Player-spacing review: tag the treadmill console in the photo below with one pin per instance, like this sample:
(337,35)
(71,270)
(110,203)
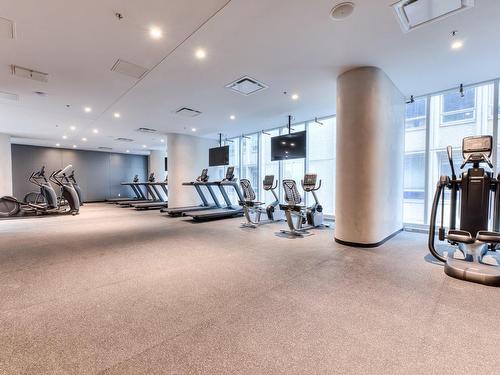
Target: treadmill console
(204,176)
(229,174)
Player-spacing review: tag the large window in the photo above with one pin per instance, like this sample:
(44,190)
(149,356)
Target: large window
(269,167)
(451,116)
(250,160)
(321,151)
(414,162)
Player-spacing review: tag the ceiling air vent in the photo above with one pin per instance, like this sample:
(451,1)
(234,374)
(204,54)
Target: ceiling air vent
(104,148)
(146,130)
(29,73)
(246,86)
(124,139)
(6,28)
(8,96)
(129,69)
(414,13)
(187,112)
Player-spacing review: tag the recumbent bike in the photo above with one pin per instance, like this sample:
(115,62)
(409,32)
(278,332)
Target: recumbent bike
(253,209)
(297,214)
(475,245)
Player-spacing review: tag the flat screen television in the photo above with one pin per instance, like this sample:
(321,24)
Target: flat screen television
(288,146)
(218,156)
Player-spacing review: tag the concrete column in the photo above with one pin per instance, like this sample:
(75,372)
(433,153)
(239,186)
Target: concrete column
(156,165)
(5,165)
(187,156)
(370,153)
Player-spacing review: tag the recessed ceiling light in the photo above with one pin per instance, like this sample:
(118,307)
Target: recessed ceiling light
(127,151)
(84,139)
(295,97)
(155,32)
(58,144)
(87,109)
(72,127)
(64,137)
(200,54)
(193,129)
(95,131)
(162,140)
(144,146)
(232,117)
(116,115)
(457,44)
(74,146)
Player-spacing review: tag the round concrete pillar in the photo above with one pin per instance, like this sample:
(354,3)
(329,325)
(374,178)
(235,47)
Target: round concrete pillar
(370,152)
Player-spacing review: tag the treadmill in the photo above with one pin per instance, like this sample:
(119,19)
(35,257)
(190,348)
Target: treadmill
(139,195)
(162,199)
(201,181)
(149,191)
(229,210)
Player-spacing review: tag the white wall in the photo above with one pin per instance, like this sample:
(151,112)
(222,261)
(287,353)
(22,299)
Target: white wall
(5,166)
(370,154)
(187,156)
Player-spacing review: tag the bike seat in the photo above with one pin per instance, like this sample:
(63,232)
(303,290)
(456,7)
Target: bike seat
(460,236)
(292,207)
(251,203)
(487,236)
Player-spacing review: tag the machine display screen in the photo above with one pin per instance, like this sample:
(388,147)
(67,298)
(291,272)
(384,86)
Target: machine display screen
(289,146)
(218,156)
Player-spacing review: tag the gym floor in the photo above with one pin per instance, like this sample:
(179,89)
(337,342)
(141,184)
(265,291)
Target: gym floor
(116,291)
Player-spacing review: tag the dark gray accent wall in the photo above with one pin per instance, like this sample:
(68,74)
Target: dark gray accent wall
(99,174)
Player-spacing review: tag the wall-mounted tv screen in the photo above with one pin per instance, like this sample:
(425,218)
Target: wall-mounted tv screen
(289,146)
(218,156)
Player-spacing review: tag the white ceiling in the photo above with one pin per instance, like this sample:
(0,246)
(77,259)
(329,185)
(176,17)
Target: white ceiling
(290,45)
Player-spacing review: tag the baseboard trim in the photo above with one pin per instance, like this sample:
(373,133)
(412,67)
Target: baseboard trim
(368,245)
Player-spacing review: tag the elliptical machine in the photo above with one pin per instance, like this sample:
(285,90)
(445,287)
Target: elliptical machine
(298,214)
(475,188)
(253,209)
(10,206)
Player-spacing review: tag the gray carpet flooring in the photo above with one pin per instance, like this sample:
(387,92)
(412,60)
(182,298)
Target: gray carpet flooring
(115,291)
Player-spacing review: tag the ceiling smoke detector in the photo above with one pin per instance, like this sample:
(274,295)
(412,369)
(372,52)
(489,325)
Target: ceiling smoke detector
(246,86)
(35,75)
(342,11)
(415,13)
(187,112)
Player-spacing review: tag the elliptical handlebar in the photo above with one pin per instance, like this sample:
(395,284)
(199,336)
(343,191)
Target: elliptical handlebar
(62,172)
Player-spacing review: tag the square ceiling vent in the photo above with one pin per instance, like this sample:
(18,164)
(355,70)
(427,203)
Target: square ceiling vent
(129,69)
(29,73)
(121,139)
(8,96)
(246,86)
(187,112)
(146,130)
(6,28)
(415,13)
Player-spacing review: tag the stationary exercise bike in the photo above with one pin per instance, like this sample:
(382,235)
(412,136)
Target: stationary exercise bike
(297,214)
(253,209)
(10,206)
(475,245)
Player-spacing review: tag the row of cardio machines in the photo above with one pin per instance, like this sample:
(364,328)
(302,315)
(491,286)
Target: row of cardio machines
(215,210)
(299,217)
(147,194)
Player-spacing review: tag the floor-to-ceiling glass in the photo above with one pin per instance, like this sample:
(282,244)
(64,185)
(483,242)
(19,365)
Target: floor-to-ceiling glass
(321,151)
